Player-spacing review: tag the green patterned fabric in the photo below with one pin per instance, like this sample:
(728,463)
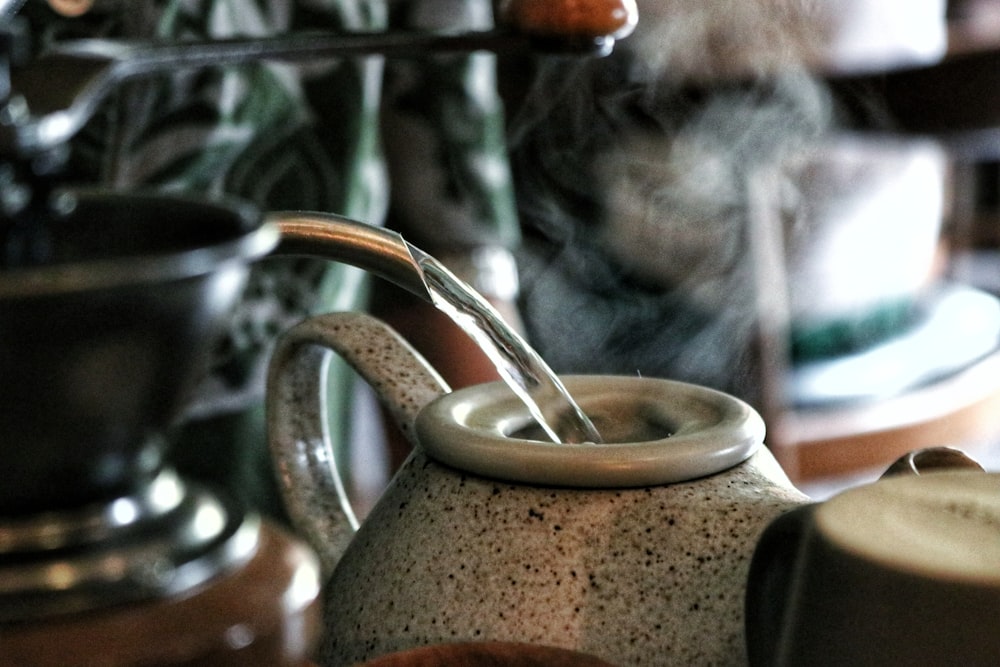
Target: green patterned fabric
(310,137)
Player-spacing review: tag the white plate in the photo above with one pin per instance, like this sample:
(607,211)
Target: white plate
(962,326)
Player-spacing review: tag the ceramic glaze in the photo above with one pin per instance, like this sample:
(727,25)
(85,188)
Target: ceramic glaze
(647,573)
(635,576)
(904,571)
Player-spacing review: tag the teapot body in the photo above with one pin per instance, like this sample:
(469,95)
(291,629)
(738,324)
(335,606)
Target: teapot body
(633,550)
(626,574)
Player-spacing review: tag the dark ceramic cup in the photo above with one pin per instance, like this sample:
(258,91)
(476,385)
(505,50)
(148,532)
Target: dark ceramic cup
(905,571)
(101,343)
(104,336)
(110,304)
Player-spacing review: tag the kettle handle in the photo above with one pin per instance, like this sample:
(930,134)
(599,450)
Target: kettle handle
(298,433)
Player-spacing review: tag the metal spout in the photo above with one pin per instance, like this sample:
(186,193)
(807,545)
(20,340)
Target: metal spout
(379,251)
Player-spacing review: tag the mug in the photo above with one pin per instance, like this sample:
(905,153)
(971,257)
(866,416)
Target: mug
(904,571)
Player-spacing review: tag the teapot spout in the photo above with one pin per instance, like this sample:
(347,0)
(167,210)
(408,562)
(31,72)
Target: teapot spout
(379,251)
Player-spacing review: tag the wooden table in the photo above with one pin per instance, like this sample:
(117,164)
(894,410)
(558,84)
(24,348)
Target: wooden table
(960,410)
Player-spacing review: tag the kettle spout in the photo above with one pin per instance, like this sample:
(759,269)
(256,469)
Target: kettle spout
(379,251)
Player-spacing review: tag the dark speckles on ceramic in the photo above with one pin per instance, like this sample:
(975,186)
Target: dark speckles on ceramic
(296,406)
(651,576)
(644,574)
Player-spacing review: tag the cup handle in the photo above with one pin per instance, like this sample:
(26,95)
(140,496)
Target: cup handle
(298,433)
(770,584)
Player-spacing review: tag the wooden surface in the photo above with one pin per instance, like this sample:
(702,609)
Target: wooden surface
(259,615)
(960,410)
(487,654)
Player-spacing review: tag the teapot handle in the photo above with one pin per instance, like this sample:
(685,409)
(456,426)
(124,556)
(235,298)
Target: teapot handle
(298,432)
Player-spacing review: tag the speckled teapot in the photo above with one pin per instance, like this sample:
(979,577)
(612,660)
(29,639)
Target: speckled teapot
(635,551)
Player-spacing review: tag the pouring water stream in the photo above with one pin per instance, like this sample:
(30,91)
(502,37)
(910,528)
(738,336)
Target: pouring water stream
(386,254)
(519,365)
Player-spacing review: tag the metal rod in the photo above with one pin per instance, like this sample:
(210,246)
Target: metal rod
(65,85)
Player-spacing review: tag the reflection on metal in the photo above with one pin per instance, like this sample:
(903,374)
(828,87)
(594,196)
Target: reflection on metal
(379,251)
(89,559)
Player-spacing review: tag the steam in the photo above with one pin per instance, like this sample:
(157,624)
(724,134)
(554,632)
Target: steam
(723,40)
(631,176)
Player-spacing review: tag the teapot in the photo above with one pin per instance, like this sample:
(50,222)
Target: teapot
(632,549)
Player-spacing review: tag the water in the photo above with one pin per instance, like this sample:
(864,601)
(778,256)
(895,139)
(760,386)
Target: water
(518,364)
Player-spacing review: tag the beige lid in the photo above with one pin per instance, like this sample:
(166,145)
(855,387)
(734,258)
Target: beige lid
(940,524)
(656,432)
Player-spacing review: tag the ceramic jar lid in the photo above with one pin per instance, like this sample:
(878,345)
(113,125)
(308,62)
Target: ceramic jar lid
(656,432)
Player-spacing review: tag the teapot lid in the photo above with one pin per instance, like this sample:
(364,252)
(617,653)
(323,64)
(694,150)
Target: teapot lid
(656,432)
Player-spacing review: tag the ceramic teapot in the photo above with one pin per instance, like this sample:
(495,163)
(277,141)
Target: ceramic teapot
(633,550)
